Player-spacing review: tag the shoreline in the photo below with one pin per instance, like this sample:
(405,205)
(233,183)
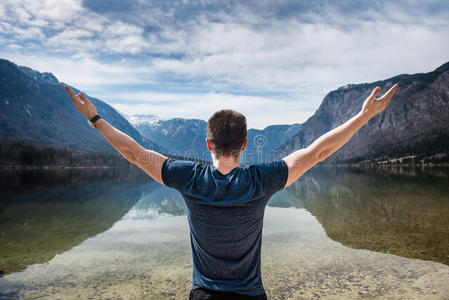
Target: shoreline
(356,165)
(383,165)
(53,167)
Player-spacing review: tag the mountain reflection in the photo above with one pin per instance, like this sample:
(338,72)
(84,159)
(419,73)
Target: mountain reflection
(400,211)
(158,199)
(35,226)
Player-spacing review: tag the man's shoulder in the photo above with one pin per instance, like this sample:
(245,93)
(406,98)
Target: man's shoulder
(175,170)
(268,165)
(272,175)
(183,164)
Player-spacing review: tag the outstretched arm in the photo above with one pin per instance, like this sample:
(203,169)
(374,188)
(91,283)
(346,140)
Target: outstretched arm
(148,160)
(301,160)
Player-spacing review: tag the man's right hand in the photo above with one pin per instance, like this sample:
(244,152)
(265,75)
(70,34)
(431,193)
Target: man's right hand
(372,105)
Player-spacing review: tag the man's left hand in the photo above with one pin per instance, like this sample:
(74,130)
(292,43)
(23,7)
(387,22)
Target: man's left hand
(81,103)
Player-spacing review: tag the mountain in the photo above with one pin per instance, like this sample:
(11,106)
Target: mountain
(184,137)
(414,126)
(34,106)
(187,137)
(262,144)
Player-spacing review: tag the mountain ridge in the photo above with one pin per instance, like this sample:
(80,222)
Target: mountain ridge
(413,124)
(34,106)
(187,137)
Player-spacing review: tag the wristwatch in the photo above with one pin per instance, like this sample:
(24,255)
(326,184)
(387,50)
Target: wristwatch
(92,122)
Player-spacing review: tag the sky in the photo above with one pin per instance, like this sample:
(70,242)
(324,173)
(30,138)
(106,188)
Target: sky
(272,60)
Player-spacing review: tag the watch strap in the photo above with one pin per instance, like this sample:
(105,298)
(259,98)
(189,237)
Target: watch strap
(95,119)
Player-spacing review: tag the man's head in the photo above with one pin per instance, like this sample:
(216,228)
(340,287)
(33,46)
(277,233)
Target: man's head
(226,133)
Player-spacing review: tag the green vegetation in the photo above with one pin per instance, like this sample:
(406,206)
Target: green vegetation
(20,153)
(26,153)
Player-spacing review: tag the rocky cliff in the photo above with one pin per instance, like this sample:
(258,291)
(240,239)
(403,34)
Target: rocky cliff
(413,126)
(34,106)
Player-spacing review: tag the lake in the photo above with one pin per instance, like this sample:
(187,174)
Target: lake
(335,233)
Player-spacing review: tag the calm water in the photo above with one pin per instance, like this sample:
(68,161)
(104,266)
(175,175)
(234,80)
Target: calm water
(335,233)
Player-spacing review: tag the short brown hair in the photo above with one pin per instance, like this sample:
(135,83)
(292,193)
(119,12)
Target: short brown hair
(226,130)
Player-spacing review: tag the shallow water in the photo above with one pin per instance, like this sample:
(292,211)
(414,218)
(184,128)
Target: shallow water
(336,233)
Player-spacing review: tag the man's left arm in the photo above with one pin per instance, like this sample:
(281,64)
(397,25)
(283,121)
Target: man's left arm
(148,160)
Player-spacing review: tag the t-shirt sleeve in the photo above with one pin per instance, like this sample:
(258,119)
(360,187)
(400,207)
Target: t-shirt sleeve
(175,172)
(274,176)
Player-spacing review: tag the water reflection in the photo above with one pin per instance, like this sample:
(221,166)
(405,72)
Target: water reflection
(402,211)
(158,199)
(130,239)
(25,181)
(36,223)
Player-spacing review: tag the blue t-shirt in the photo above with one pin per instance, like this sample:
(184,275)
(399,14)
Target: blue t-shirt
(225,214)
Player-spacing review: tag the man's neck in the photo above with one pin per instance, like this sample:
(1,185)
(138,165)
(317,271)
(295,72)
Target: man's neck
(226,164)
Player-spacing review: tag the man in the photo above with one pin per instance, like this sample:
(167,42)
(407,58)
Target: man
(225,202)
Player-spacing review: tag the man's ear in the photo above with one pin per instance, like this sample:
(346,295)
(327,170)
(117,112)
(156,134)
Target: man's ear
(245,142)
(209,146)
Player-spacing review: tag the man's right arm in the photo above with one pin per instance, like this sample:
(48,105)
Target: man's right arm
(302,160)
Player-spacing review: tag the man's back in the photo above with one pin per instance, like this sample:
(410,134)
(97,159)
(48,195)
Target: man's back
(226,218)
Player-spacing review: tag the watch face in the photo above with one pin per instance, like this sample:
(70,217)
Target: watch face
(91,124)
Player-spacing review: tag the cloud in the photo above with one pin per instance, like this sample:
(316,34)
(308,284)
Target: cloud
(290,52)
